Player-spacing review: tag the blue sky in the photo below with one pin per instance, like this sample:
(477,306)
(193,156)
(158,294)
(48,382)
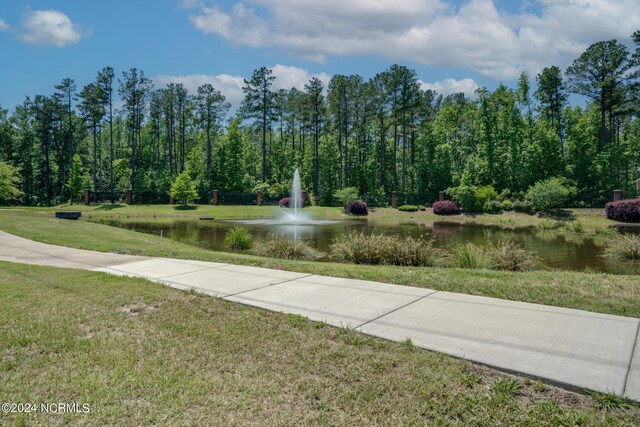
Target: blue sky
(453,45)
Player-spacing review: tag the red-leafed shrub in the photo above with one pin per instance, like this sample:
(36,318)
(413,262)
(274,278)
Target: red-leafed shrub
(446,207)
(284,202)
(357,208)
(624,210)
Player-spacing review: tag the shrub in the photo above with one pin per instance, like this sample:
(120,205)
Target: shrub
(183,189)
(424,207)
(472,256)
(466,196)
(624,247)
(493,206)
(522,206)
(446,207)
(346,195)
(624,210)
(486,194)
(409,208)
(357,208)
(284,202)
(505,255)
(506,205)
(237,238)
(286,248)
(375,248)
(511,257)
(547,195)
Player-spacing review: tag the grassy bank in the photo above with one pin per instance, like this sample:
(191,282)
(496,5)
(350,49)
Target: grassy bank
(590,219)
(142,354)
(613,294)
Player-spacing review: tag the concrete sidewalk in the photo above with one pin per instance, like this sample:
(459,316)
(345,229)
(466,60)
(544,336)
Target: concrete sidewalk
(577,348)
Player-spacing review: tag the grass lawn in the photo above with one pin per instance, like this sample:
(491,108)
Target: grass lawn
(139,353)
(604,293)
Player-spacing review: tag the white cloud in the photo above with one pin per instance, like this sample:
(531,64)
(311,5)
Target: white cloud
(4,26)
(451,86)
(231,86)
(50,28)
(475,35)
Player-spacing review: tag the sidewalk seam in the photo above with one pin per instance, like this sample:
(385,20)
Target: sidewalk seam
(268,286)
(395,309)
(633,355)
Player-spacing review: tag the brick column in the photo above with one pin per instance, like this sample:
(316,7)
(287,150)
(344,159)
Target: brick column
(393,200)
(441,196)
(129,197)
(259,198)
(304,199)
(215,197)
(617,195)
(171,200)
(86,197)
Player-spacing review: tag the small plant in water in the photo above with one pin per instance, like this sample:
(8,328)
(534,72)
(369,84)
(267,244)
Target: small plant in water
(547,224)
(286,248)
(506,386)
(238,238)
(624,247)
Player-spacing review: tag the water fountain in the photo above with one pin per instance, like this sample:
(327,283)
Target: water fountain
(293,215)
(295,198)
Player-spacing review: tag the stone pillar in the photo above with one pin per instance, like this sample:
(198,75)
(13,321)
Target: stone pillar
(129,197)
(441,196)
(171,200)
(215,197)
(259,198)
(304,199)
(617,195)
(86,197)
(393,200)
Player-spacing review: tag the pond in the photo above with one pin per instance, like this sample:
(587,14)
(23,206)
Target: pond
(556,250)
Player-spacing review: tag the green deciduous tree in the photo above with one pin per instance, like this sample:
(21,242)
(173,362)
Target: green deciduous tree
(9,183)
(183,188)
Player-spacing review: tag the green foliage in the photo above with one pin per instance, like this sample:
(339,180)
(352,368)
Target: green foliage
(507,205)
(507,387)
(285,247)
(547,195)
(409,208)
(492,206)
(346,195)
(238,238)
(472,256)
(76,178)
(624,247)
(504,255)
(377,248)
(486,194)
(548,224)
(183,189)
(9,182)
(466,196)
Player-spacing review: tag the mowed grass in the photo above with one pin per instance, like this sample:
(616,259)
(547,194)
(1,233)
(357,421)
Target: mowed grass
(603,293)
(139,353)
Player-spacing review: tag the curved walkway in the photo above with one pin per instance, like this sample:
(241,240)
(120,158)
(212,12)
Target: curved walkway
(570,347)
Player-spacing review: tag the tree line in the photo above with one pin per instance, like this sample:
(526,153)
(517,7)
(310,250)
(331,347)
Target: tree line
(378,135)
